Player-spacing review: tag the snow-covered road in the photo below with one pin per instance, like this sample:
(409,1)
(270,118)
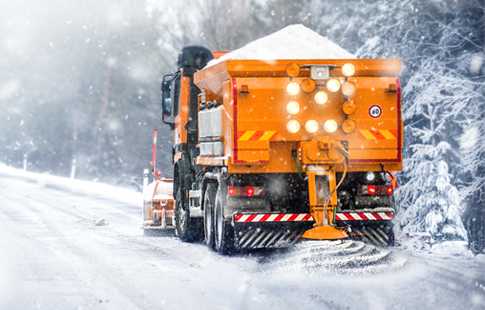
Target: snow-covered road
(54,256)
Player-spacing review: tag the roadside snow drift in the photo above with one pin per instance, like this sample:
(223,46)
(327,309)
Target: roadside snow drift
(291,42)
(88,188)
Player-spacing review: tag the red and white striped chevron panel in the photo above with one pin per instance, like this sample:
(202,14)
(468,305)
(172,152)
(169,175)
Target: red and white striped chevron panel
(364,216)
(272,217)
(307,217)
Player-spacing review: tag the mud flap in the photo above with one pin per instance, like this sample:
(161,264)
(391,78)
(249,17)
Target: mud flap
(268,234)
(377,233)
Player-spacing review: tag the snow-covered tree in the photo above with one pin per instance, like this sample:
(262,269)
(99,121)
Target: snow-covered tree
(436,204)
(435,117)
(472,148)
(472,141)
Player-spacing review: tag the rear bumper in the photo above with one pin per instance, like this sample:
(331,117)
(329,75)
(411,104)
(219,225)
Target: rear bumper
(254,230)
(362,216)
(271,217)
(369,225)
(365,215)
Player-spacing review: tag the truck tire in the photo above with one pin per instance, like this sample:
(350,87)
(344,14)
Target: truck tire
(223,231)
(209,206)
(187,229)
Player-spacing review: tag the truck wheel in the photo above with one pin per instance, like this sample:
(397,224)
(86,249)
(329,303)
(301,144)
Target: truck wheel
(224,233)
(188,229)
(209,202)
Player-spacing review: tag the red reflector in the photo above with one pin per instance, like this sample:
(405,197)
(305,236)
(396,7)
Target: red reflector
(231,191)
(249,191)
(371,190)
(389,190)
(244,191)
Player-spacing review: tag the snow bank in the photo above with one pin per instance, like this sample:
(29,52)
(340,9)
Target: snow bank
(451,248)
(291,42)
(76,186)
(422,244)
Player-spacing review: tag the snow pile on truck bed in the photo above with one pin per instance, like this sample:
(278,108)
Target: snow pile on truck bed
(291,42)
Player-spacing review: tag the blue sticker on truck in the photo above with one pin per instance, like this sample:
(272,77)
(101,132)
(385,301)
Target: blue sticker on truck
(375,111)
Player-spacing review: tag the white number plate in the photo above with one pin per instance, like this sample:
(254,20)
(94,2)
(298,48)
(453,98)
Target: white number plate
(319,72)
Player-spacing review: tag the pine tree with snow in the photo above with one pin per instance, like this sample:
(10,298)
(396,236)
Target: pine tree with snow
(429,196)
(432,204)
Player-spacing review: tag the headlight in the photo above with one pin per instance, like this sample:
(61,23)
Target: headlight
(293,126)
(370,176)
(348,69)
(321,97)
(348,89)
(330,126)
(311,126)
(293,88)
(293,107)
(333,85)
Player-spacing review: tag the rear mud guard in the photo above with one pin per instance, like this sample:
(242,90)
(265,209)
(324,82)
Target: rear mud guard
(269,230)
(378,233)
(268,235)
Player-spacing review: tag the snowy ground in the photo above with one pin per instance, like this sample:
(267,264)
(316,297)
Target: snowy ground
(53,255)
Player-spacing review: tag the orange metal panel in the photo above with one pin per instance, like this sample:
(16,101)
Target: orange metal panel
(254,97)
(228,117)
(183,113)
(212,78)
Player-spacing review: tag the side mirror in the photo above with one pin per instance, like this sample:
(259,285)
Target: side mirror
(167,104)
(166,98)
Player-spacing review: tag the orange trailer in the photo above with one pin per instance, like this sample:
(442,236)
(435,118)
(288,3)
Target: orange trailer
(266,153)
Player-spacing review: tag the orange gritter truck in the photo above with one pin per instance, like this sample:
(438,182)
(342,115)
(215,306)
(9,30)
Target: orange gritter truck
(268,153)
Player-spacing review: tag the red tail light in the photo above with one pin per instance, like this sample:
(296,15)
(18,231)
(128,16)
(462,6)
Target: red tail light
(389,190)
(245,191)
(249,191)
(371,190)
(231,191)
(377,190)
